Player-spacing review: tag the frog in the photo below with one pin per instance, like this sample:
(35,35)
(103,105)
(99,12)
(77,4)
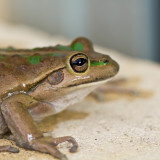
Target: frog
(40,82)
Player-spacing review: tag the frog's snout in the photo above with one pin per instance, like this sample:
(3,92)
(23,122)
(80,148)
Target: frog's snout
(115,67)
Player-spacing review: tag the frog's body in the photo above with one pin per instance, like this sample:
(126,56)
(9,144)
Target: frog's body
(43,81)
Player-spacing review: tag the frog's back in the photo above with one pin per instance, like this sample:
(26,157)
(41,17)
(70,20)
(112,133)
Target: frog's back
(22,69)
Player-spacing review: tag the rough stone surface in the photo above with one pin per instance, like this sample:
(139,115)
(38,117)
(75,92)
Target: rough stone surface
(123,127)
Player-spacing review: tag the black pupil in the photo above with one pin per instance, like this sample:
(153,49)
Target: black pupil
(80,62)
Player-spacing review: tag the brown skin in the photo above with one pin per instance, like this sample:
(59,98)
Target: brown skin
(33,80)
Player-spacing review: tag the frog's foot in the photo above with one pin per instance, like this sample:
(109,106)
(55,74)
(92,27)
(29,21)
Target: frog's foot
(48,145)
(25,131)
(117,89)
(100,93)
(118,86)
(8,148)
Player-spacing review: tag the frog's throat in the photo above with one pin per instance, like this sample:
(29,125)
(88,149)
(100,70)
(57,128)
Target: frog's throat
(76,96)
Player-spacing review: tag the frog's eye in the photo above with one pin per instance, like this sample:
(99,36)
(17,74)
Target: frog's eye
(79,62)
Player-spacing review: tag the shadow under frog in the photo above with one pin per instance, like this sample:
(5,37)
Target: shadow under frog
(121,88)
(49,123)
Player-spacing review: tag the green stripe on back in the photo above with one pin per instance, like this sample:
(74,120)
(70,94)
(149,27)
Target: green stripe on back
(34,59)
(1,57)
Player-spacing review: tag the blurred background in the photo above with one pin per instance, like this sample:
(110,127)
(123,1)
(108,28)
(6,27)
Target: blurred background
(128,26)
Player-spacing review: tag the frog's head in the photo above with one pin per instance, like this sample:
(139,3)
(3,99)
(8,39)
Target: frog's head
(87,67)
(83,70)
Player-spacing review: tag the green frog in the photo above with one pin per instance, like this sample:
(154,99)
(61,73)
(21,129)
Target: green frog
(39,82)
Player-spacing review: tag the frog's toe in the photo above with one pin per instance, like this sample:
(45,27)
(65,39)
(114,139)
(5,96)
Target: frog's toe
(8,148)
(48,144)
(45,145)
(56,141)
(56,153)
(13,150)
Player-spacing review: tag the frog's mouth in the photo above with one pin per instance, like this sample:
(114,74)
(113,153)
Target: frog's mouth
(93,83)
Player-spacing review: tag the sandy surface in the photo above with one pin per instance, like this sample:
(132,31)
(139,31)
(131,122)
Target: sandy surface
(122,127)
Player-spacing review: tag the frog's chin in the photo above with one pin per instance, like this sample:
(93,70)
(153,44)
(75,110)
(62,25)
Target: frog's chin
(77,95)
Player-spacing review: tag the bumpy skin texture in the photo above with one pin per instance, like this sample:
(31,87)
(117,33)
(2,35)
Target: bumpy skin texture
(33,80)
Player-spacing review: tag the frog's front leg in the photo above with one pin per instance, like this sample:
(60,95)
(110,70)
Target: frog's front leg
(24,130)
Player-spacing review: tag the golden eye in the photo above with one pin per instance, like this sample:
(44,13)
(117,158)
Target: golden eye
(79,62)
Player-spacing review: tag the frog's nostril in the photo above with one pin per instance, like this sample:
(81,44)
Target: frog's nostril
(106,61)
